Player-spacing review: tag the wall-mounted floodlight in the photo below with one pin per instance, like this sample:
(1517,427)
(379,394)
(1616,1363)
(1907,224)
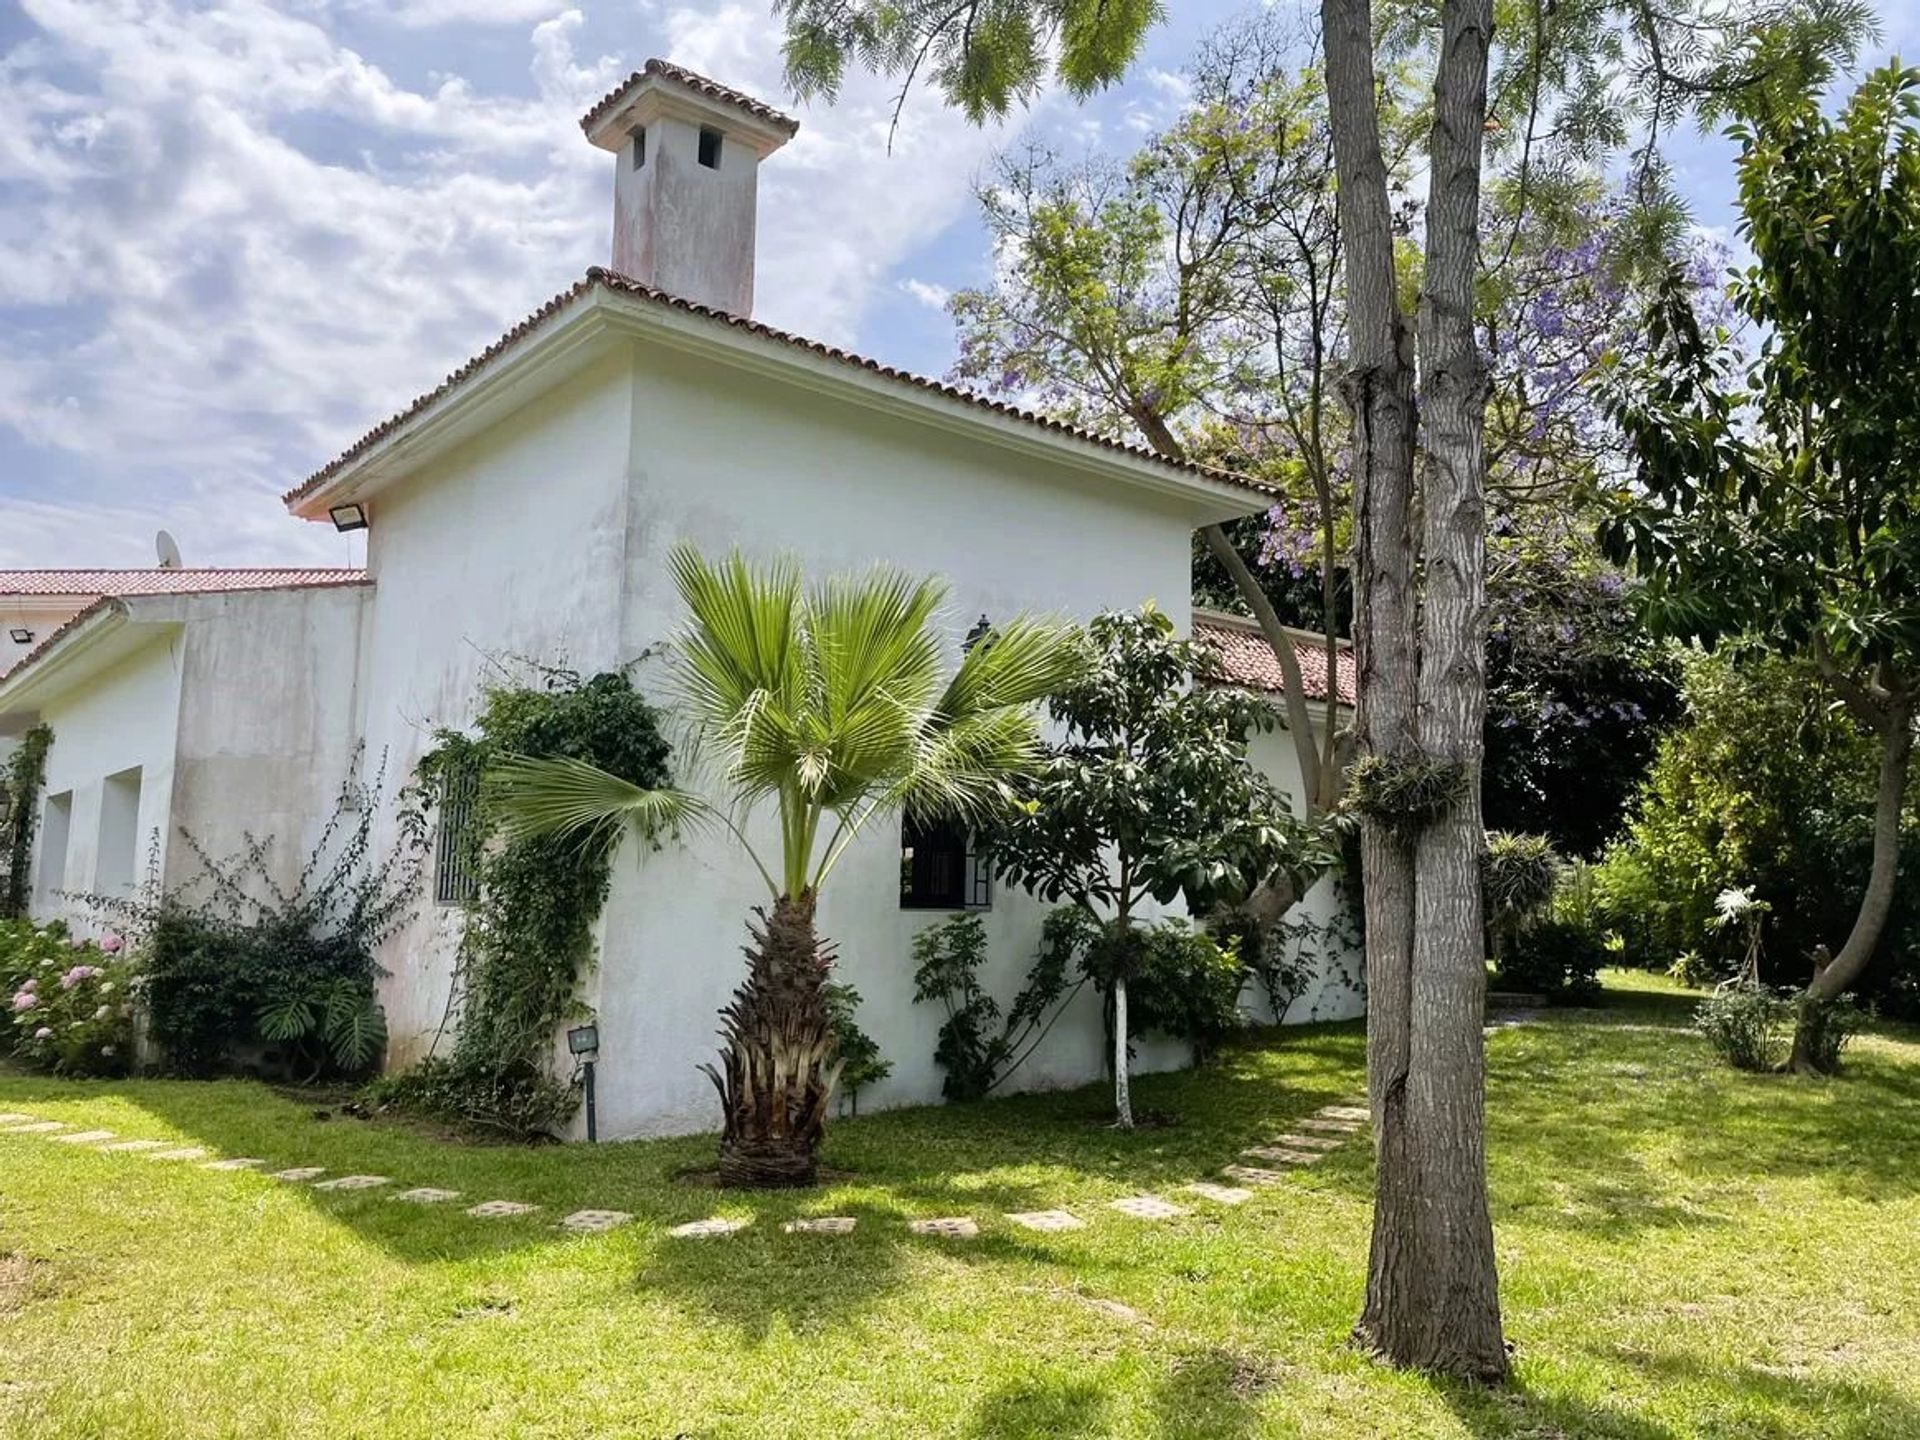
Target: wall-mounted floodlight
(20,635)
(348,517)
(584,1041)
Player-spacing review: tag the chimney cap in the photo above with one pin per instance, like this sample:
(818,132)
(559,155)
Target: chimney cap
(659,83)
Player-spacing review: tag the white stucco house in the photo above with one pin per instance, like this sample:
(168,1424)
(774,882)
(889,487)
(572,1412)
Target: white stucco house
(525,506)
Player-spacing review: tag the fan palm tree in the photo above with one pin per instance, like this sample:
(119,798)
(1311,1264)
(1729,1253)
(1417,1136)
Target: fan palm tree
(829,702)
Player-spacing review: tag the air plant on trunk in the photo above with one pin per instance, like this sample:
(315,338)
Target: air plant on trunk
(829,702)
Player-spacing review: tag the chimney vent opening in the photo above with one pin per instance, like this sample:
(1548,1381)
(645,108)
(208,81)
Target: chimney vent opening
(709,147)
(639,147)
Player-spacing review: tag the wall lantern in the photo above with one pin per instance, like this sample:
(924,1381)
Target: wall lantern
(584,1041)
(348,517)
(20,635)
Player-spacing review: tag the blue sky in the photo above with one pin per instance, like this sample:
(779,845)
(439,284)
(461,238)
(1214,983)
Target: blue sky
(234,235)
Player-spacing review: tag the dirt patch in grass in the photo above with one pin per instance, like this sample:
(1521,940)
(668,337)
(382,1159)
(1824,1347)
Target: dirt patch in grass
(707,1177)
(23,1280)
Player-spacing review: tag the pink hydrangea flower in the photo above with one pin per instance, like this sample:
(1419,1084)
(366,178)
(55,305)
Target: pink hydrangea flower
(24,1001)
(79,974)
(111,943)
(30,984)
(43,1033)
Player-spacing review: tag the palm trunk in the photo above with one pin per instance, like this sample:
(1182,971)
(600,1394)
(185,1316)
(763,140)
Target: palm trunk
(779,1061)
(1432,1298)
(1896,757)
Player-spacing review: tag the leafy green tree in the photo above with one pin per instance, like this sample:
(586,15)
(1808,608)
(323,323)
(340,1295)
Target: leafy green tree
(1419,537)
(1780,500)
(1147,795)
(828,703)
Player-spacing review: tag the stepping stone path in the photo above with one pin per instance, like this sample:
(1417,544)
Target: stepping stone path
(427,1195)
(355,1182)
(500,1209)
(1048,1220)
(951,1227)
(124,1146)
(707,1229)
(1223,1194)
(301,1174)
(1336,1127)
(1284,1155)
(1305,1142)
(38,1127)
(13,1118)
(1347,1112)
(1148,1207)
(182,1152)
(592,1222)
(85,1137)
(1253,1174)
(820,1225)
(236,1164)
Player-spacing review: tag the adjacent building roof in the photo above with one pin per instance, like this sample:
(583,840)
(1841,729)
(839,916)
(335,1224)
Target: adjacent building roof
(1247,660)
(606,282)
(713,90)
(167,582)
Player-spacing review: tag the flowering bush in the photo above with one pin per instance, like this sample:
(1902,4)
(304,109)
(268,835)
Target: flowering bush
(70,1002)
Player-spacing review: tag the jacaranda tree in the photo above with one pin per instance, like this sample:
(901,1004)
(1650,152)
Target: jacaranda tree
(831,704)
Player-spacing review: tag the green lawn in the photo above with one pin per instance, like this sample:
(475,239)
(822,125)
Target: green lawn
(1685,1251)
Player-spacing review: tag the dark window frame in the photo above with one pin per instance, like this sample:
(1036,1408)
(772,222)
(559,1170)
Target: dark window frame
(639,147)
(941,870)
(711,144)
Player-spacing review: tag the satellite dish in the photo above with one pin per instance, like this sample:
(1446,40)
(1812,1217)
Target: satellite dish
(168,551)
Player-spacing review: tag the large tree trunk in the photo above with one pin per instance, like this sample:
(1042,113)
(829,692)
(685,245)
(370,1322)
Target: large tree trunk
(779,1061)
(1896,757)
(1432,1297)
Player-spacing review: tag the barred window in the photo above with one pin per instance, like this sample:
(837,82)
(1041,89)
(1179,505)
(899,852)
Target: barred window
(456,878)
(939,869)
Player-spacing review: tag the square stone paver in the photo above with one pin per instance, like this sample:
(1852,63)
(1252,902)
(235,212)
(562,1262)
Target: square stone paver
(300,1174)
(127,1146)
(707,1229)
(355,1182)
(180,1152)
(1346,1112)
(1253,1174)
(38,1127)
(500,1209)
(820,1225)
(1148,1207)
(1326,1126)
(1284,1155)
(1221,1194)
(947,1227)
(427,1195)
(85,1137)
(1048,1220)
(13,1117)
(1306,1142)
(238,1163)
(592,1222)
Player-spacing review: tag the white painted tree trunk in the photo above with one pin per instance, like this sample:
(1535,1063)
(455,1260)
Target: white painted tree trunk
(1122,1090)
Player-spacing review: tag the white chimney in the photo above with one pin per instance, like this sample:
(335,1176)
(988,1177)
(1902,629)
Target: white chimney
(686,175)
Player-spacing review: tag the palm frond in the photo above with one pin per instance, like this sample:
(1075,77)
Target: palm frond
(568,797)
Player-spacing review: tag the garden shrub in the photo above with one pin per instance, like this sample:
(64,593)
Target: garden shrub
(1556,959)
(1185,984)
(1517,877)
(1746,1025)
(1825,1026)
(1693,969)
(71,1001)
(978,1046)
(861,1062)
(230,959)
(21,781)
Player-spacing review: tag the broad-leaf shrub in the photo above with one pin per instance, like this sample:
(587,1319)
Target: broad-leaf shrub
(69,1002)
(1746,1025)
(1557,959)
(861,1061)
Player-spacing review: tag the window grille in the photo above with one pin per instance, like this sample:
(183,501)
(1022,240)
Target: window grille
(940,870)
(456,878)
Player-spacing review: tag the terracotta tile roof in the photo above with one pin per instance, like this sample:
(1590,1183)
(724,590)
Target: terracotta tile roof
(167,582)
(607,280)
(679,74)
(1246,660)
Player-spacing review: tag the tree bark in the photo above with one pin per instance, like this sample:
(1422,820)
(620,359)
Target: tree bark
(1122,1088)
(1896,758)
(779,1064)
(1432,1294)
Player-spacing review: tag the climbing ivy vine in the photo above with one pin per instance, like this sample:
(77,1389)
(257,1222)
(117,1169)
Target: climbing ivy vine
(529,937)
(20,786)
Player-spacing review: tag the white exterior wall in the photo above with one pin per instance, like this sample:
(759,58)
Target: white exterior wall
(126,716)
(1324,915)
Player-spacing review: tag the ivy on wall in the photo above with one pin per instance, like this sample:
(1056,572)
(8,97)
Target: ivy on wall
(20,787)
(529,936)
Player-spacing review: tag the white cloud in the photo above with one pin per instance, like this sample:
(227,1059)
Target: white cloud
(934,297)
(421,14)
(229,243)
